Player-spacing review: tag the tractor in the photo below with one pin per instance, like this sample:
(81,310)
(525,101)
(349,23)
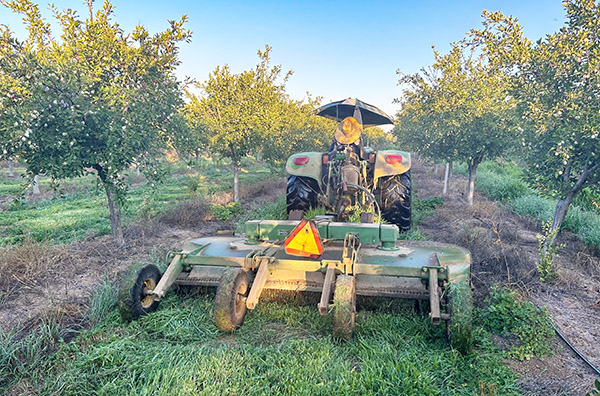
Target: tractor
(350,177)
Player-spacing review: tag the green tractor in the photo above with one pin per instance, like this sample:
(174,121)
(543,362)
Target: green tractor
(350,177)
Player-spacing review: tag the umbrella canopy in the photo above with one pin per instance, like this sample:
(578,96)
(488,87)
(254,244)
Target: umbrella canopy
(358,109)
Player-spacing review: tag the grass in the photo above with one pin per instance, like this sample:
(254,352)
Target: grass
(283,348)
(85,211)
(504,182)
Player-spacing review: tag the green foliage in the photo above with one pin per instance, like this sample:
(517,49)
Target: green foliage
(422,208)
(504,181)
(533,205)
(227,211)
(314,212)
(556,83)
(96,101)
(547,253)
(103,302)
(526,326)
(588,199)
(376,138)
(274,211)
(284,347)
(595,392)
(461,325)
(458,110)
(83,212)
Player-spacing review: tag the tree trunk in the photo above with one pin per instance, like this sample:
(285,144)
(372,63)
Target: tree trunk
(236,182)
(446,175)
(450,173)
(36,185)
(137,169)
(471,184)
(115,214)
(11,172)
(435,169)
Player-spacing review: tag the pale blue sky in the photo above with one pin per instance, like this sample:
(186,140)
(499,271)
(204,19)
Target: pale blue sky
(337,49)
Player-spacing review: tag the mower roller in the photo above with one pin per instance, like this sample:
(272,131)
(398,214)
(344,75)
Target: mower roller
(337,260)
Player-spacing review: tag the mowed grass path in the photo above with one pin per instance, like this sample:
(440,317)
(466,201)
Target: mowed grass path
(283,348)
(85,211)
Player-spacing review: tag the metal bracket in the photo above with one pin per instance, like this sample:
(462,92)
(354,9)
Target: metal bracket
(169,277)
(249,263)
(350,254)
(259,283)
(327,288)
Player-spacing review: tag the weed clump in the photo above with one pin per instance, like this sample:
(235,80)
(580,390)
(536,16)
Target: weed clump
(225,212)
(547,254)
(187,214)
(526,326)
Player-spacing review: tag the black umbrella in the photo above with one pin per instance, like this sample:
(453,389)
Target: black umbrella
(353,107)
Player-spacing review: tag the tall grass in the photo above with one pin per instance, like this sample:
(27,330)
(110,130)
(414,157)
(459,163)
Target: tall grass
(283,348)
(504,182)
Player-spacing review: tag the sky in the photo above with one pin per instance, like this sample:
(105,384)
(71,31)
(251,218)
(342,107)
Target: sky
(336,49)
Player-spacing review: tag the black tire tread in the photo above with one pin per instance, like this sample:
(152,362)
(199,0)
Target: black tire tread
(130,291)
(396,200)
(301,193)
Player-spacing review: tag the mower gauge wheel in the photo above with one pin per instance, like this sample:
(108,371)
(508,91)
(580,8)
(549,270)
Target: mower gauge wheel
(344,307)
(230,301)
(134,297)
(459,328)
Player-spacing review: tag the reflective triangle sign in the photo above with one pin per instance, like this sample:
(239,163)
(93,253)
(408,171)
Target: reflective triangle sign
(304,241)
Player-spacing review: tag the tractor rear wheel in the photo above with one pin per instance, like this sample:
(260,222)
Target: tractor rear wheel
(133,297)
(301,193)
(460,307)
(344,307)
(230,301)
(395,200)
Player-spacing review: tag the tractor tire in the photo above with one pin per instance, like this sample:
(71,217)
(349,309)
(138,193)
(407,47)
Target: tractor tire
(230,304)
(132,300)
(460,325)
(395,200)
(344,307)
(301,193)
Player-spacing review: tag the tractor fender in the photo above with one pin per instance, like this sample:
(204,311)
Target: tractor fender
(305,164)
(398,163)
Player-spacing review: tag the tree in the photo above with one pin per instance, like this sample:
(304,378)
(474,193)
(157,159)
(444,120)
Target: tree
(377,138)
(296,129)
(190,137)
(239,110)
(98,100)
(14,94)
(557,84)
(458,110)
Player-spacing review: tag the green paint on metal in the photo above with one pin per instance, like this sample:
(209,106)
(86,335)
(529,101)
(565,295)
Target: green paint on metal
(312,168)
(411,260)
(369,234)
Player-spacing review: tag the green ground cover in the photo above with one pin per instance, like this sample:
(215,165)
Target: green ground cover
(284,347)
(505,182)
(65,217)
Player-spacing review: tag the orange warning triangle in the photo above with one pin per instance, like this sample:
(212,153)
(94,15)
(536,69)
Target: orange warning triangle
(304,241)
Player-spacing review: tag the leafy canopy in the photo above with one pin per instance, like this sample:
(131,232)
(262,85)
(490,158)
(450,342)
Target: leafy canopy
(95,100)
(457,110)
(557,84)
